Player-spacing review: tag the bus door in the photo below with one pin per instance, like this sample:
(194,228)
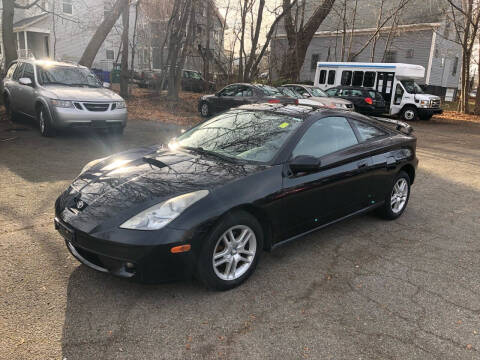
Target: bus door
(385,85)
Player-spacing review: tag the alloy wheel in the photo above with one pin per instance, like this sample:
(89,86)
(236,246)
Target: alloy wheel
(234,252)
(409,114)
(205,109)
(399,195)
(42,121)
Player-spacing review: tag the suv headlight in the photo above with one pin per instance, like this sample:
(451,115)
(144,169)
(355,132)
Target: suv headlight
(424,103)
(161,214)
(62,103)
(120,105)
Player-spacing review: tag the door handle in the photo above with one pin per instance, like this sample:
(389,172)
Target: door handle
(362,164)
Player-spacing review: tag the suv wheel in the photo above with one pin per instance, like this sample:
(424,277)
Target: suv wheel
(45,123)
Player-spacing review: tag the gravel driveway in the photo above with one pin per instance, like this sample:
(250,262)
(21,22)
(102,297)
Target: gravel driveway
(362,289)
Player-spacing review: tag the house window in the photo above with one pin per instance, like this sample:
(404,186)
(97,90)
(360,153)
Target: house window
(390,56)
(455,65)
(110,54)
(67,6)
(313,64)
(446,30)
(436,53)
(409,53)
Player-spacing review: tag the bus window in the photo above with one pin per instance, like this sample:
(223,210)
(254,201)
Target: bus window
(346,78)
(331,77)
(357,78)
(323,77)
(369,79)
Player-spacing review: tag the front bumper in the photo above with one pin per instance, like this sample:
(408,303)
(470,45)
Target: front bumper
(73,117)
(146,262)
(429,111)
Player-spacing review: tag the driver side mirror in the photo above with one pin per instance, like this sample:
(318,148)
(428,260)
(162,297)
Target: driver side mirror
(25,81)
(304,163)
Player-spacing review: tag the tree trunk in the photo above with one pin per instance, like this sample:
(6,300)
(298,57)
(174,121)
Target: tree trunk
(206,61)
(124,71)
(134,45)
(102,32)
(477,97)
(8,36)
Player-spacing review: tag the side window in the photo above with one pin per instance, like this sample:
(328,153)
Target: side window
(11,70)
(398,95)
(18,71)
(346,78)
(302,91)
(245,91)
(229,91)
(326,136)
(357,78)
(369,79)
(331,77)
(28,72)
(366,131)
(331,92)
(323,77)
(355,92)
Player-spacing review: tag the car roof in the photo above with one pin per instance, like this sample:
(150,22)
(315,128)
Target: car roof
(354,88)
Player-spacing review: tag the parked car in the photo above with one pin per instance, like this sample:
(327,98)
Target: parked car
(365,101)
(191,80)
(325,101)
(61,95)
(235,95)
(242,182)
(317,94)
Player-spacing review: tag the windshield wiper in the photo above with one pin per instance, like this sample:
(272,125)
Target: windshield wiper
(202,151)
(154,162)
(55,83)
(89,85)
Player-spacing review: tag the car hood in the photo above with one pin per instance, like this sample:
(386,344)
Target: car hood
(122,185)
(81,93)
(426,97)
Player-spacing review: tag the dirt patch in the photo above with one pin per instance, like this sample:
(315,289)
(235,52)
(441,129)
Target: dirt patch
(145,104)
(455,116)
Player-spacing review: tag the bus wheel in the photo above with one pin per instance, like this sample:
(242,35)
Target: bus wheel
(409,113)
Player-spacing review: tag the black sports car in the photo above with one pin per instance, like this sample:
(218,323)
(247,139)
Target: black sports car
(235,95)
(245,181)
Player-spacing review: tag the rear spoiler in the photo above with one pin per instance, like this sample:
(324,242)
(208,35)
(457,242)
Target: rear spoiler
(399,125)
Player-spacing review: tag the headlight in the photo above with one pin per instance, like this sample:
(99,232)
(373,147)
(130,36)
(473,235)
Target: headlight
(161,214)
(424,103)
(120,105)
(62,103)
(340,106)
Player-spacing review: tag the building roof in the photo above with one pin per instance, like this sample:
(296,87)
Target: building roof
(24,23)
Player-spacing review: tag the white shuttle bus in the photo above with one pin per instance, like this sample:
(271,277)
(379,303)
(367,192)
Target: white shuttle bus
(395,81)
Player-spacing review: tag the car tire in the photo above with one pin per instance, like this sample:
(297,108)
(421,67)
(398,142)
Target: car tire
(409,113)
(396,199)
(45,122)
(204,109)
(11,115)
(240,254)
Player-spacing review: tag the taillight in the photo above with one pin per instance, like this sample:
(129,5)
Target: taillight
(274,101)
(369,101)
(296,101)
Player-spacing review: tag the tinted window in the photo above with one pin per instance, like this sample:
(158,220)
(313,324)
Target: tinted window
(346,78)
(28,72)
(357,78)
(331,92)
(269,90)
(18,71)
(229,90)
(326,136)
(366,131)
(323,77)
(302,91)
(244,91)
(352,92)
(242,134)
(317,92)
(11,70)
(331,77)
(369,79)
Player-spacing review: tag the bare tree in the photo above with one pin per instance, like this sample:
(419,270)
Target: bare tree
(465,16)
(124,69)
(300,33)
(102,32)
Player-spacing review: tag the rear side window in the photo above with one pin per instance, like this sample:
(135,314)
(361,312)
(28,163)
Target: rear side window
(366,131)
(331,92)
(229,91)
(326,136)
(372,94)
(369,79)
(11,70)
(28,72)
(346,78)
(331,77)
(357,78)
(323,77)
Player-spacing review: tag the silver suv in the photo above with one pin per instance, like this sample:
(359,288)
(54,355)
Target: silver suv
(61,95)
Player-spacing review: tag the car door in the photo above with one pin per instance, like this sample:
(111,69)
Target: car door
(26,93)
(340,187)
(245,95)
(15,87)
(224,99)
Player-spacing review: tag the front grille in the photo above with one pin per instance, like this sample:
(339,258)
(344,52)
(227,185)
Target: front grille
(435,103)
(96,106)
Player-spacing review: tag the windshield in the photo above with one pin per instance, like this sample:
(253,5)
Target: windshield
(67,75)
(317,92)
(412,87)
(241,134)
(269,90)
(195,75)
